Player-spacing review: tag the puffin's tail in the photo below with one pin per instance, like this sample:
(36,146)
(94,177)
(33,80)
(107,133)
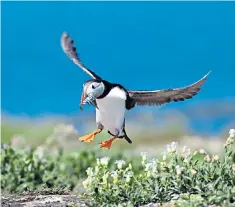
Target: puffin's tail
(126,137)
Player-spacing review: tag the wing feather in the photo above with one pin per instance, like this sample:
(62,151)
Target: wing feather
(160,97)
(70,50)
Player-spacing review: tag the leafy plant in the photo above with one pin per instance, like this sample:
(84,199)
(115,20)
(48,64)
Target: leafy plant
(29,170)
(177,178)
(44,168)
(184,179)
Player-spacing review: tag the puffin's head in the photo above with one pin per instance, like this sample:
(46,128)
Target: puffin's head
(92,89)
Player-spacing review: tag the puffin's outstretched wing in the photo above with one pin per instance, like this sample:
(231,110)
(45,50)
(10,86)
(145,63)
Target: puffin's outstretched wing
(70,50)
(160,97)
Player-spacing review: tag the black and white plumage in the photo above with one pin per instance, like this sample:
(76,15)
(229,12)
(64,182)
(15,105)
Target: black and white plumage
(160,97)
(112,100)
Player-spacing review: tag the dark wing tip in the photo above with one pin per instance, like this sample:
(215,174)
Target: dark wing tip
(70,50)
(199,83)
(68,46)
(205,76)
(189,92)
(160,97)
(208,73)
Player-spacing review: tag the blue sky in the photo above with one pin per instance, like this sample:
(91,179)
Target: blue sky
(141,45)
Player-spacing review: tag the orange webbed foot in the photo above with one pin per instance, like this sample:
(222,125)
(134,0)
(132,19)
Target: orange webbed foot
(107,144)
(89,137)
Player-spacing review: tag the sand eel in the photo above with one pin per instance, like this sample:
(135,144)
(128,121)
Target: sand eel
(111,100)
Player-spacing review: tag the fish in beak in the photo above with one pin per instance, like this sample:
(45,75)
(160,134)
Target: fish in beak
(87,100)
(81,102)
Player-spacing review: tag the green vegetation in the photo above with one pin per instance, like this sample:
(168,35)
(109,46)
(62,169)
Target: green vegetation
(37,169)
(184,179)
(28,170)
(178,177)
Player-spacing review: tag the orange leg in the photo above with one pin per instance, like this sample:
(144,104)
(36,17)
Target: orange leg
(107,144)
(90,137)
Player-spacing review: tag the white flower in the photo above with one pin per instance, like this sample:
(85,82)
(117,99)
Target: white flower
(178,170)
(202,151)
(120,163)
(186,151)
(105,177)
(232,133)
(154,169)
(168,148)
(98,161)
(233,167)
(172,147)
(39,152)
(87,183)
(96,170)
(154,160)
(148,166)
(215,158)
(144,156)
(128,176)
(154,165)
(163,156)
(104,161)
(193,172)
(114,174)
(89,171)
(207,158)
(230,139)
(151,166)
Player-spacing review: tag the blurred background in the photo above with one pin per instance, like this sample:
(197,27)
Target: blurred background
(141,45)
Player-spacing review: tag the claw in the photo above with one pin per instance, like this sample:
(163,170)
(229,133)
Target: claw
(90,137)
(87,138)
(107,144)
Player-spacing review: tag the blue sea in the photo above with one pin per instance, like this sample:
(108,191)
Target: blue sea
(141,45)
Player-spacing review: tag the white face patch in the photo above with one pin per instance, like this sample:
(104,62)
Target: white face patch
(94,88)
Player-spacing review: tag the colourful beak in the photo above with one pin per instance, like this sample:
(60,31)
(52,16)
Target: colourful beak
(82,100)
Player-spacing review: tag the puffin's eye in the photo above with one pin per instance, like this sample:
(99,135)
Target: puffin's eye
(93,87)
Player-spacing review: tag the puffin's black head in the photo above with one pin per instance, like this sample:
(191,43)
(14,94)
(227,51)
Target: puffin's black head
(92,89)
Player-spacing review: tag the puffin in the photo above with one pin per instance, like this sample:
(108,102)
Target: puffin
(111,100)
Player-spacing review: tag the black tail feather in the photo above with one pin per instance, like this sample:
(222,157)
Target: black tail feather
(126,137)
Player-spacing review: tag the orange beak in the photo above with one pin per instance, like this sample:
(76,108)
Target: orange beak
(81,102)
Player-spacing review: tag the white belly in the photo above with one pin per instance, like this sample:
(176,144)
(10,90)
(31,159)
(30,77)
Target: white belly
(111,112)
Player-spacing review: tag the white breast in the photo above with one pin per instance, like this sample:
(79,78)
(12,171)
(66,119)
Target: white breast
(111,112)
